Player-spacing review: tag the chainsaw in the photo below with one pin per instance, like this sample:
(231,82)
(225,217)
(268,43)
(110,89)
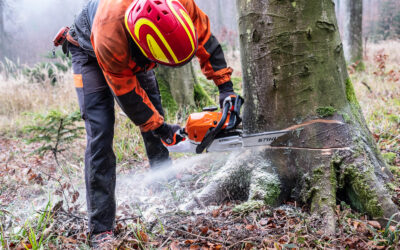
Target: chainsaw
(213,131)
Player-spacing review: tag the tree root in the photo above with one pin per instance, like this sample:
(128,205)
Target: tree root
(315,177)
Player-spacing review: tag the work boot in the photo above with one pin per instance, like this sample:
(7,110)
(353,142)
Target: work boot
(102,241)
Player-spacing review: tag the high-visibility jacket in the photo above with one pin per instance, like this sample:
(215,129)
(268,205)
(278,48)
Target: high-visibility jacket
(120,59)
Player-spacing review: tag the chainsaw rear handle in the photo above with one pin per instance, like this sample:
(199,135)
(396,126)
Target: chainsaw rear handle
(235,119)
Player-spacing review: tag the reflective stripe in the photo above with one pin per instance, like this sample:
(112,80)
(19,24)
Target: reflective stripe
(78,81)
(149,23)
(189,22)
(156,50)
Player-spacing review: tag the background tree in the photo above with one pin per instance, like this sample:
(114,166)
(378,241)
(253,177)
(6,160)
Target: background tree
(181,90)
(180,83)
(389,22)
(350,23)
(295,78)
(356,31)
(2,31)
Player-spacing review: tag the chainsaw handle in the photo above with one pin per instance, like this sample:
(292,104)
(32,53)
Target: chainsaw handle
(235,118)
(212,133)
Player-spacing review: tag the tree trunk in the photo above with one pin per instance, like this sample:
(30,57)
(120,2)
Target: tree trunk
(295,78)
(2,31)
(180,82)
(356,31)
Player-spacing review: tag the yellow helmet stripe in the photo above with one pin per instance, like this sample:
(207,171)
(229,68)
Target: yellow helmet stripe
(189,21)
(144,21)
(156,50)
(127,27)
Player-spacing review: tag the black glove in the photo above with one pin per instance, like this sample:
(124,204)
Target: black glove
(170,134)
(225,90)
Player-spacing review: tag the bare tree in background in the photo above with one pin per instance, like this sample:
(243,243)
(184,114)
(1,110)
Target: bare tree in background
(2,31)
(355,34)
(180,82)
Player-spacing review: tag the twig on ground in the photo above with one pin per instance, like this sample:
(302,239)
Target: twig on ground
(59,183)
(166,241)
(367,86)
(242,241)
(199,236)
(125,219)
(72,215)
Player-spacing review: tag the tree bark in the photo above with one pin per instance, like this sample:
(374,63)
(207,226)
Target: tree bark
(180,82)
(2,31)
(356,31)
(295,78)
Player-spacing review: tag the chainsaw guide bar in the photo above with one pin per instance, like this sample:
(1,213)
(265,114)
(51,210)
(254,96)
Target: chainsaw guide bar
(218,131)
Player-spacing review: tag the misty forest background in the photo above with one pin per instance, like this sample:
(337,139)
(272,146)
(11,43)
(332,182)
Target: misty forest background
(26,27)
(42,142)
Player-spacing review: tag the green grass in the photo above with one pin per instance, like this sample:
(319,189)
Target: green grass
(32,235)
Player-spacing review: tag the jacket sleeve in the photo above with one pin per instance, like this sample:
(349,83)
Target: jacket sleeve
(111,55)
(209,52)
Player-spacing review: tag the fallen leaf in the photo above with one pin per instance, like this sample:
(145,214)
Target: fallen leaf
(67,240)
(215,213)
(355,224)
(75,197)
(143,236)
(194,247)
(204,230)
(374,224)
(174,246)
(250,227)
(248,246)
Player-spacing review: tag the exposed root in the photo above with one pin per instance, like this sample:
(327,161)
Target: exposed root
(314,176)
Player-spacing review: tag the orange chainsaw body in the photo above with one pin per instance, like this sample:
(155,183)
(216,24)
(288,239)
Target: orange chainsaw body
(198,124)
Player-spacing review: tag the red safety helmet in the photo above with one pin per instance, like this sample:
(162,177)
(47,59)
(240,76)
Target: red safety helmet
(163,31)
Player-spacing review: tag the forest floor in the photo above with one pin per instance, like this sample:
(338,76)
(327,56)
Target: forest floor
(42,204)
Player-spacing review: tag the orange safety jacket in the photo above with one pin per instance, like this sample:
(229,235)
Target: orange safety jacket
(115,52)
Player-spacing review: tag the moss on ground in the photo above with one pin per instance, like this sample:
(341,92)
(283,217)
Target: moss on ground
(266,187)
(390,158)
(248,206)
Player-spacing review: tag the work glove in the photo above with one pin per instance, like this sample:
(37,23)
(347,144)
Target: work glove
(225,90)
(170,135)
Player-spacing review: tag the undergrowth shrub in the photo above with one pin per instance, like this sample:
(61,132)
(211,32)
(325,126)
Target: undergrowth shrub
(55,131)
(51,71)
(48,71)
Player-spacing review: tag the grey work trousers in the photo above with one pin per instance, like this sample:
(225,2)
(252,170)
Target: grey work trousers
(96,103)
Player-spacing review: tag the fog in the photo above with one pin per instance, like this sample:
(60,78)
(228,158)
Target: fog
(31,25)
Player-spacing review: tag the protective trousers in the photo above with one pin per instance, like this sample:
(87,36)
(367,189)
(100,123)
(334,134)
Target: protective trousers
(96,103)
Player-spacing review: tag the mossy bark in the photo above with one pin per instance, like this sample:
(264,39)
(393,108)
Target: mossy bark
(180,82)
(183,85)
(295,78)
